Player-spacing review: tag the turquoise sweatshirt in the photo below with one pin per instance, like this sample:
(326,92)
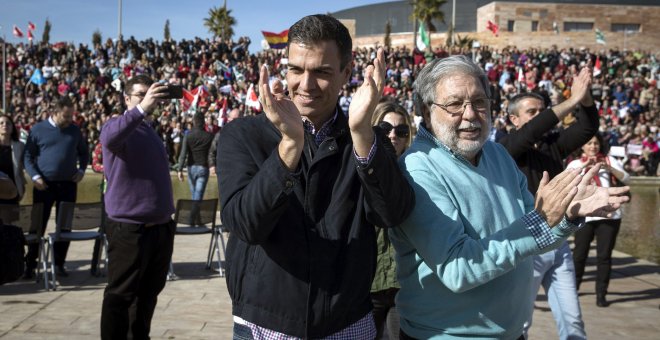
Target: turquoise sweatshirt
(463,255)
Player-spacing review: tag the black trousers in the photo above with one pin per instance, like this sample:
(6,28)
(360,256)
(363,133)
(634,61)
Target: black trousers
(139,258)
(385,313)
(605,232)
(55,193)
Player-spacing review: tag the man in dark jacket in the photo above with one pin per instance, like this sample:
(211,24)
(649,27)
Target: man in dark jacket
(537,148)
(301,188)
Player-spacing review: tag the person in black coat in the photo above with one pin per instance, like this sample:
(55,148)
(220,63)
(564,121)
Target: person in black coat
(537,147)
(301,188)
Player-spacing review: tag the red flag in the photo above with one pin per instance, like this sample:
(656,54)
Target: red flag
(491,26)
(252,100)
(31,26)
(17,32)
(597,67)
(188,98)
(30,37)
(59,45)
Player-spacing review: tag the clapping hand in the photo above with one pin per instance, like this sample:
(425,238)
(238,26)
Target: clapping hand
(364,102)
(595,201)
(280,109)
(553,197)
(283,113)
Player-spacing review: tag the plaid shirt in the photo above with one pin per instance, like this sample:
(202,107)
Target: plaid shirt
(363,329)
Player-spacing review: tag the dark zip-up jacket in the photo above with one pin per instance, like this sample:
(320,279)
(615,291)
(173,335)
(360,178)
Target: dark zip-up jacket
(301,254)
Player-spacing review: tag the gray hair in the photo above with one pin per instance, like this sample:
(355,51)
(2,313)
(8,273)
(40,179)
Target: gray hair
(440,69)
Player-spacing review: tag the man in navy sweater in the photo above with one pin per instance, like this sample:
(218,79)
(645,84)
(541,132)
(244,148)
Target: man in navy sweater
(139,204)
(56,157)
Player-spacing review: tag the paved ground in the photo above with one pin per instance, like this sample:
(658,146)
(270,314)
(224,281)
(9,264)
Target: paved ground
(197,306)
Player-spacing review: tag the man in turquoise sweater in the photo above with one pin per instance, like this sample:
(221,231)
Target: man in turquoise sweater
(464,254)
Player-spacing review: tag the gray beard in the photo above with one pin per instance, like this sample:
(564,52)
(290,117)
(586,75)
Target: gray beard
(466,148)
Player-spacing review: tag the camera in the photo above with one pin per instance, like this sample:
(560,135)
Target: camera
(174,92)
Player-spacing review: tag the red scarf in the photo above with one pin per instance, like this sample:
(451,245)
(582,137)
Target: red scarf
(600,158)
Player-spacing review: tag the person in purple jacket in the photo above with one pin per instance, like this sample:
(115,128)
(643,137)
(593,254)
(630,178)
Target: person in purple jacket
(139,205)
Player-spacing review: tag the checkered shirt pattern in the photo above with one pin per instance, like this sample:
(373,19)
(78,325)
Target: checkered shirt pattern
(540,229)
(323,132)
(363,329)
(542,232)
(326,129)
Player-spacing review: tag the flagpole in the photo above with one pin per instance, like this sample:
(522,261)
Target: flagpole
(119,23)
(4,73)
(453,20)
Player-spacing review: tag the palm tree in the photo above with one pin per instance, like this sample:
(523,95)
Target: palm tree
(46,35)
(428,10)
(464,42)
(220,22)
(166,31)
(96,38)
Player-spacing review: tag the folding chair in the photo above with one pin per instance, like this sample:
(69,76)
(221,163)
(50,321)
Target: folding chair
(28,218)
(192,218)
(74,223)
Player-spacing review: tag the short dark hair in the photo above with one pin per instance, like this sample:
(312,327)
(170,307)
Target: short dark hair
(14,132)
(139,79)
(316,28)
(63,102)
(513,102)
(198,119)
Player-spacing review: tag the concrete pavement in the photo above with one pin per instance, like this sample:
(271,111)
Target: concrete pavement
(197,305)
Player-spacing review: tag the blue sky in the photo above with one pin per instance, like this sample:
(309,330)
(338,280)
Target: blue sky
(76,20)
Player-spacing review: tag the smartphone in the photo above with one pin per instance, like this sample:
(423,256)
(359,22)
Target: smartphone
(174,92)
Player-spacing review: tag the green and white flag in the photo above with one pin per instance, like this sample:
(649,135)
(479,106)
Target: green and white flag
(600,37)
(423,39)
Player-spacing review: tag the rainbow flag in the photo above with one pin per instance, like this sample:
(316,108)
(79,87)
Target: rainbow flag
(276,41)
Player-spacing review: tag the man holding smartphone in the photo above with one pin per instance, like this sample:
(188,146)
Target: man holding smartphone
(139,205)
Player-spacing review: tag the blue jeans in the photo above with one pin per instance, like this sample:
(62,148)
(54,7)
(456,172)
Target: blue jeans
(198,176)
(555,270)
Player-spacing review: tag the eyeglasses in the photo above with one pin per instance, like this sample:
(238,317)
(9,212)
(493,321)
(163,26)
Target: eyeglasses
(401,131)
(457,107)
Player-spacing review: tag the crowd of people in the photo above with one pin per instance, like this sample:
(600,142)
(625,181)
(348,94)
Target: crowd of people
(626,87)
(337,178)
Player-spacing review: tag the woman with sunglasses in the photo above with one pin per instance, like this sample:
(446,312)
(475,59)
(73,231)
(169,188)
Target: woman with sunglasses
(611,173)
(395,122)
(11,157)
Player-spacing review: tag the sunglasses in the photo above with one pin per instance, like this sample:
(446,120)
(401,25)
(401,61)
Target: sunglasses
(401,131)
